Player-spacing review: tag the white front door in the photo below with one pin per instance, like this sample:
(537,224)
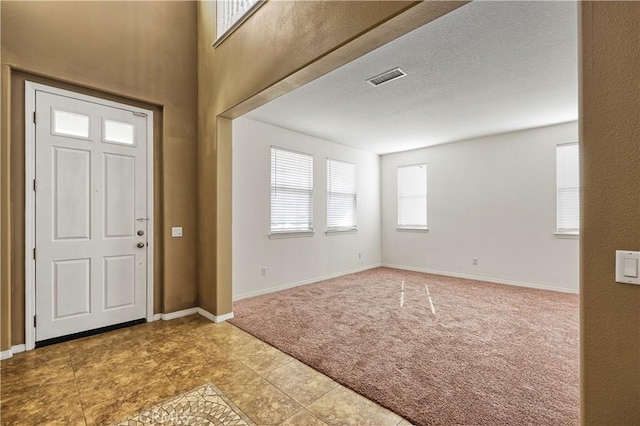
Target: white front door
(90,215)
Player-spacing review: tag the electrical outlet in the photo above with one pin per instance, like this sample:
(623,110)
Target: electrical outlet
(263,271)
(474,260)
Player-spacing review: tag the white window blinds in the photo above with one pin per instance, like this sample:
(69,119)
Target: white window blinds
(291,191)
(231,13)
(341,196)
(568,188)
(412,196)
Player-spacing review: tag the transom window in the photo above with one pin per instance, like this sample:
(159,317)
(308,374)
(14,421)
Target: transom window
(231,14)
(70,124)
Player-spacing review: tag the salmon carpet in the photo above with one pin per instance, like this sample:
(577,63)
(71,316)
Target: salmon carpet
(486,354)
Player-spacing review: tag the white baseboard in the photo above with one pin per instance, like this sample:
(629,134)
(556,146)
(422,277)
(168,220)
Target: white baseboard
(479,278)
(299,283)
(215,318)
(178,314)
(208,315)
(191,311)
(16,349)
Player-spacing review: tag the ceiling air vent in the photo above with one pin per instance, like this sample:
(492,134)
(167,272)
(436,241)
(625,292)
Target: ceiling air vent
(386,77)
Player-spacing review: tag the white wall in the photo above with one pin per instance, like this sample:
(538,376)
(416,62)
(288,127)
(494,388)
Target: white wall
(492,198)
(294,261)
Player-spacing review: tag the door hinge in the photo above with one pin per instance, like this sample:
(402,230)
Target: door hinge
(34,117)
(139,114)
(34,184)
(34,254)
(35,320)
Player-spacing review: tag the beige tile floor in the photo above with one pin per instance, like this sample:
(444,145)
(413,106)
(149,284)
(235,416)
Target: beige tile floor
(105,378)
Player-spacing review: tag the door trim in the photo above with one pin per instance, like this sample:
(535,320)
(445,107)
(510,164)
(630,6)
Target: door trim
(30,169)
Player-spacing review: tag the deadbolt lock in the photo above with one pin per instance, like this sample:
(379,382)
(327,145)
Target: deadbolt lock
(141,232)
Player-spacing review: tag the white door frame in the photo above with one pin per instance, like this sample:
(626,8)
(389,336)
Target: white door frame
(30,172)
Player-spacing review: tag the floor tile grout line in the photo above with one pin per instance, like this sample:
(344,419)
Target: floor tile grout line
(75,382)
(324,394)
(256,371)
(298,411)
(292,359)
(336,384)
(311,413)
(276,387)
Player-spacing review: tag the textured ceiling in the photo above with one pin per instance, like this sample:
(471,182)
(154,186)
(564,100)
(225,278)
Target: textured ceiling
(488,67)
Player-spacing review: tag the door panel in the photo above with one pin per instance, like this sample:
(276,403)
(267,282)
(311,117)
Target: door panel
(119,275)
(71,287)
(119,185)
(91,178)
(71,193)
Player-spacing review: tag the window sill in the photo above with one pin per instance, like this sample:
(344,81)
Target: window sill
(408,229)
(567,235)
(279,235)
(341,231)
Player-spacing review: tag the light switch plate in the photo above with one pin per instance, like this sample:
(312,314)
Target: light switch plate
(627,264)
(176,231)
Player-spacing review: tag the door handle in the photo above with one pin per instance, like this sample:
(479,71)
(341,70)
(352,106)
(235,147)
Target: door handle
(140,245)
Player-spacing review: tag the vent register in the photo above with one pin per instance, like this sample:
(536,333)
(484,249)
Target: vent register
(386,77)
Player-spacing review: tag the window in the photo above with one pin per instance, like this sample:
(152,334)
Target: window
(341,196)
(291,191)
(232,13)
(115,131)
(567,189)
(412,197)
(70,124)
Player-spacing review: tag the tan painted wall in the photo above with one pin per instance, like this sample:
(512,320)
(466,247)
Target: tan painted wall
(137,52)
(610,137)
(284,45)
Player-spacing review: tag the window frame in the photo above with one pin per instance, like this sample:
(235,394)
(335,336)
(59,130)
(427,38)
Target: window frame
(342,230)
(571,233)
(412,228)
(273,234)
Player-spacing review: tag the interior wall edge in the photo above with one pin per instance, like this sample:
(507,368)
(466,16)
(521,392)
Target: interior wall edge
(5,211)
(609,63)
(224,217)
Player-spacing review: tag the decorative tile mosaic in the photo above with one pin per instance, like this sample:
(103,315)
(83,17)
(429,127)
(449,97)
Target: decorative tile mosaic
(205,405)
